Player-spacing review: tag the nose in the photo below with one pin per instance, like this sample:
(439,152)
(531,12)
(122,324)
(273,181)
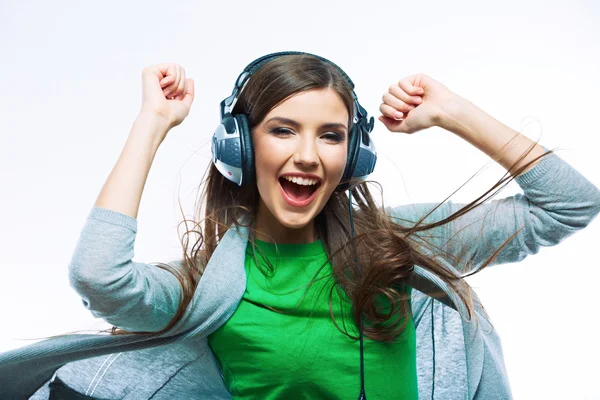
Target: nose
(306,152)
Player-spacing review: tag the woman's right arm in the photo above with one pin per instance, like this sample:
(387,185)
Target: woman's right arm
(131,295)
(123,189)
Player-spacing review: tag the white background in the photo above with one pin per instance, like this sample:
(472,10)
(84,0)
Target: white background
(71,88)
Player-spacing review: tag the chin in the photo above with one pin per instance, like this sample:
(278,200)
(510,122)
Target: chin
(295,220)
(283,221)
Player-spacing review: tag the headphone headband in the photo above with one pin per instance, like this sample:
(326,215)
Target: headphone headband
(228,104)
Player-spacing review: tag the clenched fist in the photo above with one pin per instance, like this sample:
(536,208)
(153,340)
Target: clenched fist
(167,93)
(414,103)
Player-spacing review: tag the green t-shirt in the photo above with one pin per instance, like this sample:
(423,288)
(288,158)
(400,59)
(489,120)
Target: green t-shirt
(299,353)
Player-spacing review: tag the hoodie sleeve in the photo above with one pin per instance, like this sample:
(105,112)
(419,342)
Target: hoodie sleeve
(556,202)
(130,295)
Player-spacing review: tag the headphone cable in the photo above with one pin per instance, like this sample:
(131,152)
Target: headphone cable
(362,395)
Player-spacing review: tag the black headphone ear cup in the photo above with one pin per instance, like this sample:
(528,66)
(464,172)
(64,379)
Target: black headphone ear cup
(353,146)
(247,150)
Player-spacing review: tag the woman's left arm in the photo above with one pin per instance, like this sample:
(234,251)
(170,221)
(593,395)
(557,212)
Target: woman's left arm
(501,143)
(557,199)
(418,102)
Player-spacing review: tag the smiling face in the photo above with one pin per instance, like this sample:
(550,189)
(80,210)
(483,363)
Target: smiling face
(300,150)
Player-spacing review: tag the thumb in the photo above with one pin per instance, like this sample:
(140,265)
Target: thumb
(393,125)
(188,98)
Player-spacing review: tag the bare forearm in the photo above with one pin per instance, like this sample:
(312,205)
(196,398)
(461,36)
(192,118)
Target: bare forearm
(489,135)
(123,189)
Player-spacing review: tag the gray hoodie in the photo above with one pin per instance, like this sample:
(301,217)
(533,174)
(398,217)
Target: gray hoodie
(456,358)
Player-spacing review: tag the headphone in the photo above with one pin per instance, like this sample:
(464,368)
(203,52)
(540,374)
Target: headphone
(232,149)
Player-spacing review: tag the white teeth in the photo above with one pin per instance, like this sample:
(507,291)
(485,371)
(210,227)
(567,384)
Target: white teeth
(301,181)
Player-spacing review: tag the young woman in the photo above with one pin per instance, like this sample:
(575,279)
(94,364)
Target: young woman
(300,285)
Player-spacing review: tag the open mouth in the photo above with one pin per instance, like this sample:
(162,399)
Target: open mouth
(297,191)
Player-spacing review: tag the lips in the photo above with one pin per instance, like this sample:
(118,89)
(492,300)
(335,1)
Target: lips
(298,194)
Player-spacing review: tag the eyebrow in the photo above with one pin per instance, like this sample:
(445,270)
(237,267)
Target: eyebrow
(296,124)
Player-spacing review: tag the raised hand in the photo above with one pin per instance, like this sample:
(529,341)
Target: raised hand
(414,103)
(167,93)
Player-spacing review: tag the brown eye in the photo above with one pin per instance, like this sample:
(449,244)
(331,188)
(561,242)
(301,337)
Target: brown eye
(333,137)
(280,132)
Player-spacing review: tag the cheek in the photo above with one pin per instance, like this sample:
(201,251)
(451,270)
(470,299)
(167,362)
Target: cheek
(269,157)
(335,164)
(264,168)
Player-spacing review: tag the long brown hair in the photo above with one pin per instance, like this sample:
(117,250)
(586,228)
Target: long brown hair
(386,248)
